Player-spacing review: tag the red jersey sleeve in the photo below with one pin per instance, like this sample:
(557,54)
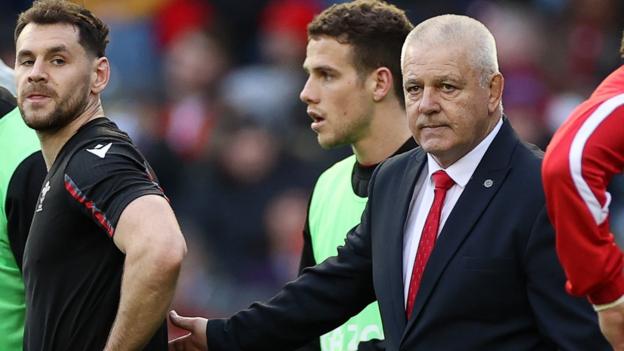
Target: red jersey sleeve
(579,163)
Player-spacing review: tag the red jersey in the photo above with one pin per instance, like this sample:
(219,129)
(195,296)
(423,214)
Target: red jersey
(583,156)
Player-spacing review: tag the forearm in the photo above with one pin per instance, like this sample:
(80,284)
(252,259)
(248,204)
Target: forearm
(612,326)
(148,286)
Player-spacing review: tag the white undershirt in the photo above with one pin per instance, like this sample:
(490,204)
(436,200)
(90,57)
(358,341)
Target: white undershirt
(461,171)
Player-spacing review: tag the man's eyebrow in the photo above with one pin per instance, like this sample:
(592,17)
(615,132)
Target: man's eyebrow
(56,49)
(52,50)
(324,68)
(22,53)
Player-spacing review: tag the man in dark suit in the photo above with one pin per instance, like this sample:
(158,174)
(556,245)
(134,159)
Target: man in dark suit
(454,243)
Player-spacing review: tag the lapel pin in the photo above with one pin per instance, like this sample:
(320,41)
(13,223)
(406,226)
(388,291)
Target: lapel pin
(488,183)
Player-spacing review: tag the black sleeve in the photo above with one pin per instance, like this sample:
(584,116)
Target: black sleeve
(308,260)
(7,101)
(102,187)
(21,199)
(307,254)
(322,298)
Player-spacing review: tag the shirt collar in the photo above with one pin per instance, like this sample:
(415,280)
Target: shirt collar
(462,169)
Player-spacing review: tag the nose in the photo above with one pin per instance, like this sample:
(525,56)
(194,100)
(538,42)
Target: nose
(307,94)
(429,102)
(37,72)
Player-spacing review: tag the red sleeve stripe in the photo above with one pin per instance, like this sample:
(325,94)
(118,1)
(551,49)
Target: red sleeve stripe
(598,211)
(95,212)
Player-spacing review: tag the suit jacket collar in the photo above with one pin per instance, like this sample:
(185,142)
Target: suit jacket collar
(485,182)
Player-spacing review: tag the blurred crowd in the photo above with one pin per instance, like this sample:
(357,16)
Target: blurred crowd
(209,90)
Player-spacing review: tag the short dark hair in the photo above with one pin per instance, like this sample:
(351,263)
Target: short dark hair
(375,29)
(93,33)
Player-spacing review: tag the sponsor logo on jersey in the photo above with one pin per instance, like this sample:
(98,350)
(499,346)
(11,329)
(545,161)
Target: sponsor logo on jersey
(100,150)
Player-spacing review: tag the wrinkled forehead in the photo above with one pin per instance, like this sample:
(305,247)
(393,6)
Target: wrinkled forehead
(436,53)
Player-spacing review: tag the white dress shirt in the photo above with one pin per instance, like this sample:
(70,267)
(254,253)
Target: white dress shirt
(461,171)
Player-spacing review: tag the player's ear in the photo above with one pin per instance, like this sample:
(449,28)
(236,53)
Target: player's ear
(381,82)
(100,75)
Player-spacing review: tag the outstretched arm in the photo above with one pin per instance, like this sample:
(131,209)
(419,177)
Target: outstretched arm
(322,298)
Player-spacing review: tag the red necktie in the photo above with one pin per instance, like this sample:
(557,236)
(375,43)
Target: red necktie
(442,183)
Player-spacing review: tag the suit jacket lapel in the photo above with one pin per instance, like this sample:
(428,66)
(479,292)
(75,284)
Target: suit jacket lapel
(484,183)
(396,226)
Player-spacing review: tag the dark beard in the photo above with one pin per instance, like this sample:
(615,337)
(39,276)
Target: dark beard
(64,113)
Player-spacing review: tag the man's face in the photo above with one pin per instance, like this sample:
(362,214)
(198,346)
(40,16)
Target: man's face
(53,73)
(449,112)
(338,103)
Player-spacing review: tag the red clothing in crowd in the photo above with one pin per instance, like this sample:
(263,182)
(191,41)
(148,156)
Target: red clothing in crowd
(583,156)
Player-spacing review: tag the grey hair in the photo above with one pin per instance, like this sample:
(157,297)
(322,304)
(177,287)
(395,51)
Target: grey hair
(455,29)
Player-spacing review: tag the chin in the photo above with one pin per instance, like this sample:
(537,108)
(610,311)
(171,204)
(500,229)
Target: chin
(327,143)
(324,140)
(432,146)
(40,126)
(36,122)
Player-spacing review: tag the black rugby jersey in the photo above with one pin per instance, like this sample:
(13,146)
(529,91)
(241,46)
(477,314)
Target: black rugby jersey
(72,268)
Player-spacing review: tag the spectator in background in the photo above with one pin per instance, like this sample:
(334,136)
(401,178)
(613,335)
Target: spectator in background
(177,17)
(583,156)
(134,50)
(282,41)
(240,21)
(587,48)
(283,219)
(520,49)
(581,39)
(195,63)
(354,95)
(225,200)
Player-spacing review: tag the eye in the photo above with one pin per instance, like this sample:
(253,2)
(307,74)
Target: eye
(413,89)
(58,61)
(326,76)
(447,88)
(26,62)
